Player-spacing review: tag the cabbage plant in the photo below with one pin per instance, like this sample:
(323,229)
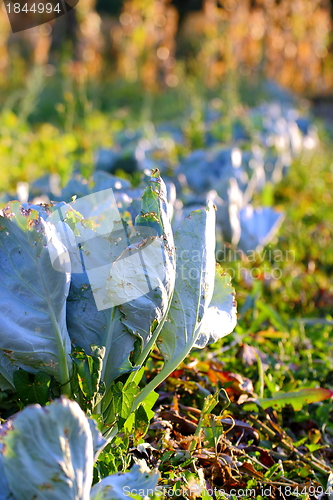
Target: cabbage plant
(49,453)
(90,286)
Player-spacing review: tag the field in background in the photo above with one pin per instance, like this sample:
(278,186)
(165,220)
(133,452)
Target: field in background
(154,43)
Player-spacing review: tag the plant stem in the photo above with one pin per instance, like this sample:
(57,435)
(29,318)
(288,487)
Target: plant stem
(108,338)
(261,376)
(168,368)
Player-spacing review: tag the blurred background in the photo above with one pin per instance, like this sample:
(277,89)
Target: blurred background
(156,42)
(75,80)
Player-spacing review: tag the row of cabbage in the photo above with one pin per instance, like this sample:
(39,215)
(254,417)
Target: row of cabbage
(264,145)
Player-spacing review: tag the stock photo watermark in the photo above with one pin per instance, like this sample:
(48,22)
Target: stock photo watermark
(26,14)
(266,264)
(195,491)
(124,262)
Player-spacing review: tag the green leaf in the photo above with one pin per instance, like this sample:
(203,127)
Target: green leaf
(135,376)
(129,424)
(32,388)
(314,447)
(297,399)
(121,402)
(141,425)
(276,468)
(33,331)
(273,316)
(213,430)
(89,369)
(123,398)
(149,402)
(210,402)
(145,316)
(87,325)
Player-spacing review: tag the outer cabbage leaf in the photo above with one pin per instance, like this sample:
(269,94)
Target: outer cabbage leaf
(33,331)
(139,480)
(5,493)
(98,441)
(108,304)
(49,453)
(221,317)
(195,252)
(187,324)
(258,227)
(87,325)
(147,313)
